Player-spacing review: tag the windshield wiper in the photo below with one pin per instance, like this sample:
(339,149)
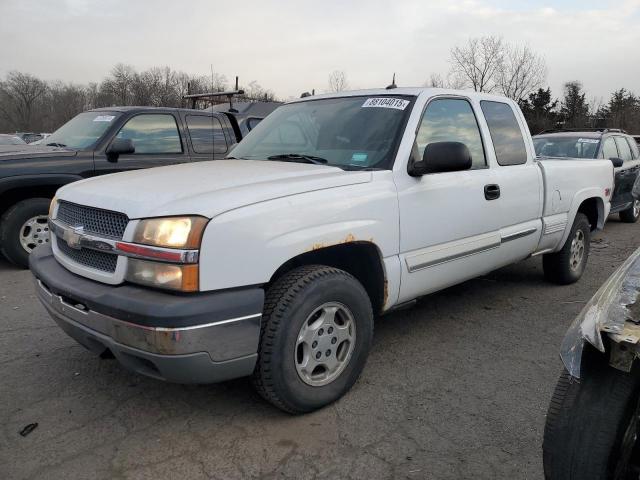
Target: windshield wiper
(293,157)
(55,144)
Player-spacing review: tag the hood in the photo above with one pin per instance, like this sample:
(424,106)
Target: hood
(204,188)
(16,152)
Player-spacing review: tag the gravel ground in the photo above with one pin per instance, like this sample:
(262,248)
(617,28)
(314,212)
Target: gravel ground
(456,387)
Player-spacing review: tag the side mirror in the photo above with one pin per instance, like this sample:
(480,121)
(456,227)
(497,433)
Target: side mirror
(617,162)
(441,157)
(119,146)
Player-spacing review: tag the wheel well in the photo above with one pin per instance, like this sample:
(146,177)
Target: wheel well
(592,207)
(15,195)
(360,259)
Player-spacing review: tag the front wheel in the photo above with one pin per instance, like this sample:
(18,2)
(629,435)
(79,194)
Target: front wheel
(631,214)
(316,335)
(23,227)
(567,265)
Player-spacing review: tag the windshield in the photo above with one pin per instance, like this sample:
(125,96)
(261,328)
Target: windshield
(348,132)
(571,147)
(82,131)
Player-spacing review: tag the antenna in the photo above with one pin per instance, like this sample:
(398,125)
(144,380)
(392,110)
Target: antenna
(393,83)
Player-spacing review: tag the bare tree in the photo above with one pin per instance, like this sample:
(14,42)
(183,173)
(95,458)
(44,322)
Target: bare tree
(521,72)
(338,81)
(435,81)
(452,81)
(19,94)
(478,62)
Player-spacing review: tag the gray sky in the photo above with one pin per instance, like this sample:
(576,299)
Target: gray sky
(292,46)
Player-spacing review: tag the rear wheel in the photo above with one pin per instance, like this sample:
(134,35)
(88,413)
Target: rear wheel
(592,426)
(567,265)
(316,335)
(23,227)
(631,214)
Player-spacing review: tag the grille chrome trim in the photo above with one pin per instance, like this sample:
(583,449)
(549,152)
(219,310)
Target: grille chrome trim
(80,240)
(97,221)
(105,262)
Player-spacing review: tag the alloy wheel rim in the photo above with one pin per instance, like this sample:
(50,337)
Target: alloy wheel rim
(636,208)
(34,232)
(577,250)
(325,344)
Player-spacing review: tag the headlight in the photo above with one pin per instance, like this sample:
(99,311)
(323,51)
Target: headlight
(174,240)
(52,206)
(163,275)
(171,232)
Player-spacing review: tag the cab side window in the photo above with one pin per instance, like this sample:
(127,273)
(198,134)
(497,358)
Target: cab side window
(609,149)
(207,135)
(623,148)
(152,133)
(451,120)
(506,134)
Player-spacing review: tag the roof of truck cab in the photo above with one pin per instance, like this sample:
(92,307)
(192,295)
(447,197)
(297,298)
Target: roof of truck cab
(570,134)
(407,91)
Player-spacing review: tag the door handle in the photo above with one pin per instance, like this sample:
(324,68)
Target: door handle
(492,191)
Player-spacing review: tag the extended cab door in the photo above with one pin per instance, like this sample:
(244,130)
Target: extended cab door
(157,140)
(449,222)
(519,179)
(207,135)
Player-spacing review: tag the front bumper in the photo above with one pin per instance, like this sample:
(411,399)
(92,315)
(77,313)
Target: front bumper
(194,338)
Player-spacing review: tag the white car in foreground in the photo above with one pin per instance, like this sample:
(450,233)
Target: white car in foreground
(334,209)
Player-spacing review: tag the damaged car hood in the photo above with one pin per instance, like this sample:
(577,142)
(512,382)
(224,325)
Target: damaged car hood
(205,188)
(611,310)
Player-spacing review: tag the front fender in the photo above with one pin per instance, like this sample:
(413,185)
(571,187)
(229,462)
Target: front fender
(37,180)
(246,246)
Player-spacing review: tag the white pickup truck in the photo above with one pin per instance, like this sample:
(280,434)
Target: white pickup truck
(333,210)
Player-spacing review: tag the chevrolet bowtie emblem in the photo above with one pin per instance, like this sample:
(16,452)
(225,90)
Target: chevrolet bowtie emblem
(73,236)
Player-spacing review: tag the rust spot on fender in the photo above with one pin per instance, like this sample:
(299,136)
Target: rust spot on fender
(350,238)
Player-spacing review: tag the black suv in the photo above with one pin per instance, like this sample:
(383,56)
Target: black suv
(108,140)
(599,143)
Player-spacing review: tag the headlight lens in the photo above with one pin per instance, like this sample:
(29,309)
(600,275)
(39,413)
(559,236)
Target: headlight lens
(52,206)
(171,232)
(163,275)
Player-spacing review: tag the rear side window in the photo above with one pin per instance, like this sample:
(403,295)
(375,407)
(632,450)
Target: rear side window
(253,122)
(505,133)
(609,149)
(623,148)
(153,133)
(451,120)
(634,148)
(207,135)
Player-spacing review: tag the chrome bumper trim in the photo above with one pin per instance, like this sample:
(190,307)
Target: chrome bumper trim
(77,239)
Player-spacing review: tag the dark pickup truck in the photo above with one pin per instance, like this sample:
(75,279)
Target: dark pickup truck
(108,140)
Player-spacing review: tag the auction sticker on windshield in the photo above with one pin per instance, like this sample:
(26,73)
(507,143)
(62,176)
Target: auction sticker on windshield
(104,118)
(397,103)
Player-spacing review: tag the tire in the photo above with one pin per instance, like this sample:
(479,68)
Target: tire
(559,267)
(587,422)
(293,301)
(631,214)
(12,228)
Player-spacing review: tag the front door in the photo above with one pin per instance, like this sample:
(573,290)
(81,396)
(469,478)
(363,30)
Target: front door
(157,142)
(449,222)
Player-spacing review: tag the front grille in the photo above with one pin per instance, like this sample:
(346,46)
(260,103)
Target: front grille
(89,258)
(93,220)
